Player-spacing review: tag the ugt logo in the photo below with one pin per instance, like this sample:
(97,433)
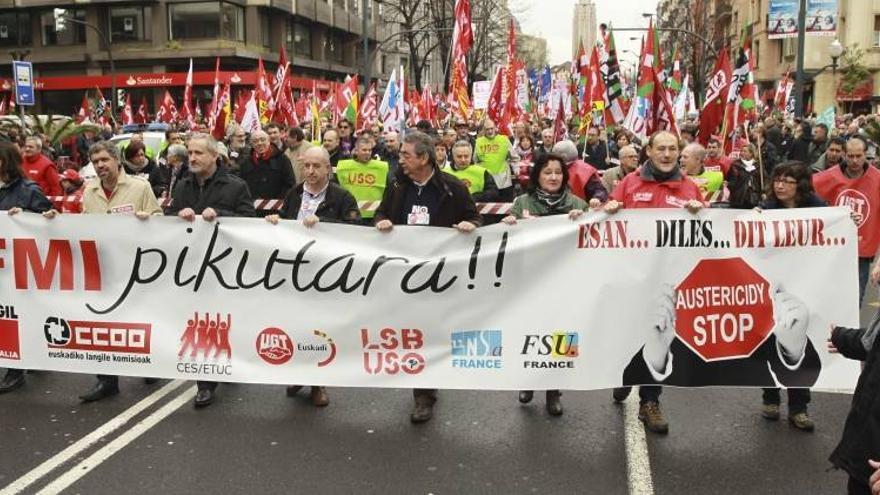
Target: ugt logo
(204,336)
(394,351)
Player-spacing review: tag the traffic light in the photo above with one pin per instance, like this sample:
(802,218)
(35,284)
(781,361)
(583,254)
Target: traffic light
(60,19)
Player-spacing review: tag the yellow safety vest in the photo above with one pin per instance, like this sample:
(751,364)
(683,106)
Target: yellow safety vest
(365,181)
(474,177)
(492,153)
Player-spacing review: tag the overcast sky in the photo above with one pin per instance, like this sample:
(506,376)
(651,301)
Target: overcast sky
(552,20)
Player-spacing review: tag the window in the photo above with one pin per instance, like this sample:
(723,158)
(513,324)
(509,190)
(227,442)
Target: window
(757,53)
(353,6)
(130,23)
(265,28)
(14,25)
(72,34)
(334,48)
(876,39)
(206,20)
(789,47)
(232,21)
(299,39)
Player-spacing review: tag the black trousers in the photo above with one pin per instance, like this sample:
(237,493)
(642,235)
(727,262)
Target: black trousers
(798,398)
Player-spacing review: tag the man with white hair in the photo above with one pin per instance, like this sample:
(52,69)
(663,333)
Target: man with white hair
(629,161)
(39,168)
(267,172)
(709,181)
(583,179)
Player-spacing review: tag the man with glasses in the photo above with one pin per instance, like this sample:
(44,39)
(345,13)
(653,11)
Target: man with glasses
(855,184)
(267,171)
(629,161)
(237,146)
(346,136)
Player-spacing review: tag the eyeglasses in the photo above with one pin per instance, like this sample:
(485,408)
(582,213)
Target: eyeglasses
(788,182)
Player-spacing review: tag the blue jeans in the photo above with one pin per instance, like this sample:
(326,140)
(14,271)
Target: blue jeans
(864,275)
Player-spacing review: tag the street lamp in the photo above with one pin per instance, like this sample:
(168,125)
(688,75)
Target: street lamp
(61,18)
(835,50)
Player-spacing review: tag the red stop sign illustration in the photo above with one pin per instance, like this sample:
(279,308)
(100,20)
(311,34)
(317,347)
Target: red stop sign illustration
(723,309)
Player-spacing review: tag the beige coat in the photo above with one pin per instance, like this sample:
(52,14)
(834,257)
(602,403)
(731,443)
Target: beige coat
(132,194)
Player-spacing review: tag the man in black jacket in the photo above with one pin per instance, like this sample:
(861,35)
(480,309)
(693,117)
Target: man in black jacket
(860,442)
(268,172)
(423,195)
(210,191)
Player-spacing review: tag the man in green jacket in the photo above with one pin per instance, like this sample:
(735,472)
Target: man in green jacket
(493,152)
(363,176)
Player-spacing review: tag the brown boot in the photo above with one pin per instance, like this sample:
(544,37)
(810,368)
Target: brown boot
(319,397)
(292,390)
(649,413)
(423,410)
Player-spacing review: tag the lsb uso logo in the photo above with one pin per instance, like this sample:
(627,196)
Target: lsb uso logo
(553,350)
(9,343)
(393,351)
(205,347)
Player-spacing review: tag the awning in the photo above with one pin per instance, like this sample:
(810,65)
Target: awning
(160,80)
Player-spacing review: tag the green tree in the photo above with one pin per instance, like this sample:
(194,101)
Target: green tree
(854,71)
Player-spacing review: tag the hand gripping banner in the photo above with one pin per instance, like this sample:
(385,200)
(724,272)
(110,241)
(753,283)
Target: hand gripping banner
(720,298)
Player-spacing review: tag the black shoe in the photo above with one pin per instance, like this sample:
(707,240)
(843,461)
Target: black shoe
(151,381)
(620,394)
(422,412)
(13,380)
(293,389)
(204,398)
(554,405)
(525,396)
(100,391)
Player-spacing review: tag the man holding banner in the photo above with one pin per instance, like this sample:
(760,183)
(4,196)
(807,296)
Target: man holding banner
(210,191)
(423,195)
(658,183)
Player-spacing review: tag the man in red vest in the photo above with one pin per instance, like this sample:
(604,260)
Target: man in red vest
(856,184)
(583,179)
(39,168)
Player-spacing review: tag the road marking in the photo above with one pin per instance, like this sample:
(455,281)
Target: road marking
(87,441)
(638,464)
(119,443)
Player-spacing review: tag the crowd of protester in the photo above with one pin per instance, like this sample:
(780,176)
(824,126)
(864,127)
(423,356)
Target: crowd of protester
(436,176)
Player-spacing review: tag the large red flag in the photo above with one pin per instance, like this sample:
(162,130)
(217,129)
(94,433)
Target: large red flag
(712,113)
(224,111)
(215,108)
(84,110)
(265,100)
(141,116)
(462,40)
(369,111)
(168,110)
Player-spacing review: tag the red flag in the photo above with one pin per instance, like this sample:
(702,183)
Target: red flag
(495,106)
(346,101)
(187,112)
(428,105)
(560,132)
(462,40)
(264,99)
(4,105)
(168,110)
(779,99)
(240,103)
(215,98)
(127,114)
(223,113)
(141,116)
(85,110)
(369,111)
(712,113)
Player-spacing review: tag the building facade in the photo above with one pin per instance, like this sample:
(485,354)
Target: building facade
(584,26)
(152,43)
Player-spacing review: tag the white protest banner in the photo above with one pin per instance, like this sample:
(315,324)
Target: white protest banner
(481,94)
(737,298)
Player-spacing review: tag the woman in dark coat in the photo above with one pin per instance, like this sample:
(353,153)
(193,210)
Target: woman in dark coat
(17,194)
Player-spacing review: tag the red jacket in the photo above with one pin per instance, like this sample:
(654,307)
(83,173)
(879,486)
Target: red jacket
(640,190)
(43,171)
(720,164)
(579,174)
(861,195)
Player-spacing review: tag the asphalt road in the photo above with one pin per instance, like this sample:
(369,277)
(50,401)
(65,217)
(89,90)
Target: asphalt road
(254,439)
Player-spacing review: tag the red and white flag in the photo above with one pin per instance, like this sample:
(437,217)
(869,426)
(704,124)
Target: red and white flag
(462,40)
(141,115)
(167,110)
(85,110)
(369,111)
(127,114)
(187,112)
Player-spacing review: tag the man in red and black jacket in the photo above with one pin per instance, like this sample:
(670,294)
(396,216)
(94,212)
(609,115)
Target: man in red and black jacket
(658,183)
(268,172)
